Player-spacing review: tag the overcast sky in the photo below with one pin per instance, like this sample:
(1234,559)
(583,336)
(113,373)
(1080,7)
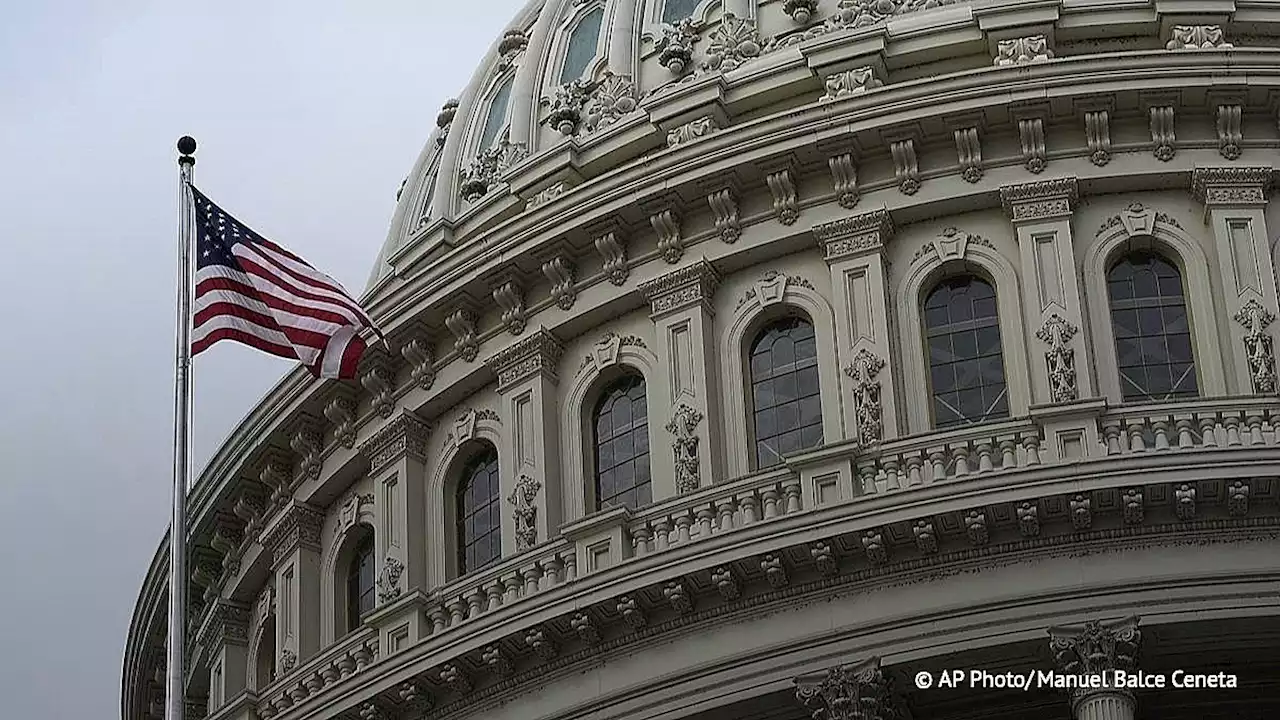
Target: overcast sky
(309,113)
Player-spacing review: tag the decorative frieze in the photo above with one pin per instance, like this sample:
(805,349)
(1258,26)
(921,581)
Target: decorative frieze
(905,166)
(679,289)
(847,83)
(421,356)
(462,323)
(858,691)
(1162,132)
(546,195)
(1234,186)
(404,434)
(1197,37)
(298,527)
(611,99)
(509,296)
(1031,137)
(693,130)
(1258,346)
(724,209)
(683,426)
(969,153)
(389,580)
(853,235)
(560,272)
(1229,132)
(782,187)
(1040,200)
(524,510)
(538,353)
(863,370)
(1060,358)
(1097,133)
(1018,51)
(734,41)
(844,177)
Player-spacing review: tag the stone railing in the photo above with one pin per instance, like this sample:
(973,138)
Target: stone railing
(336,663)
(1217,423)
(521,576)
(950,455)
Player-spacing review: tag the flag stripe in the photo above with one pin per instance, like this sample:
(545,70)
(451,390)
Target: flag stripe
(304,273)
(263,273)
(228,290)
(272,296)
(297,337)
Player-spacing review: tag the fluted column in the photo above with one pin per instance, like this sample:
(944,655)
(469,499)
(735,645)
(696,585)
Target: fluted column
(530,482)
(294,542)
(1235,201)
(1098,649)
(854,250)
(857,691)
(680,302)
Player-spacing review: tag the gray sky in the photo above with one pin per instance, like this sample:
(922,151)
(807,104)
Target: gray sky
(309,113)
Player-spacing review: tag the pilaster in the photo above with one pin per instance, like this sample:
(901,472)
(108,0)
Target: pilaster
(397,455)
(227,634)
(1235,199)
(857,691)
(1052,302)
(530,479)
(854,250)
(1098,649)
(680,304)
(294,542)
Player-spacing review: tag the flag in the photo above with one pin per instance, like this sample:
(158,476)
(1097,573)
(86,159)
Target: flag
(253,291)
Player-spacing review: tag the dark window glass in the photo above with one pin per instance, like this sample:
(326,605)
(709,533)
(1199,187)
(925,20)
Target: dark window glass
(497,117)
(621,422)
(1153,335)
(784,390)
(479,513)
(582,46)
(267,653)
(673,11)
(360,581)
(966,367)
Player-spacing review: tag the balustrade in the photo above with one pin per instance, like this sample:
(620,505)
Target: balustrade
(349,656)
(1222,423)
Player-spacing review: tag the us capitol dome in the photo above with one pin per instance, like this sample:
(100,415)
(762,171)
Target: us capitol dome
(750,358)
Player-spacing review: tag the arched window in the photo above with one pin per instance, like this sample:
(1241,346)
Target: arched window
(1153,335)
(784,390)
(266,661)
(496,118)
(479,512)
(966,366)
(621,422)
(360,578)
(582,46)
(673,11)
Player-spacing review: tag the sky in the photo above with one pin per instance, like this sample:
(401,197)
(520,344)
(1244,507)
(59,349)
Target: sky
(308,114)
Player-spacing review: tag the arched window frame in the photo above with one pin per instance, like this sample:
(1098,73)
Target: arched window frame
(475,134)
(558,49)
(470,452)
(1162,236)
(701,11)
(608,380)
(929,290)
(949,256)
(470,425)
(262,646)
(757,310)
(768,322)
(336,570)
(605,361)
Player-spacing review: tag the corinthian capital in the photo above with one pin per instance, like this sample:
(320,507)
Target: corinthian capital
(404,434)
(1096,648)
(858,691)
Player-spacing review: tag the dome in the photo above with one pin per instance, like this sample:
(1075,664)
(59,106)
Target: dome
(764,358)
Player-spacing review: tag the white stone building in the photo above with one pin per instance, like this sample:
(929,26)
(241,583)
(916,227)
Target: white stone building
(740,341)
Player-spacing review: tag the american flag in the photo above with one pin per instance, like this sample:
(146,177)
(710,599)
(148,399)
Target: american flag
(250,290)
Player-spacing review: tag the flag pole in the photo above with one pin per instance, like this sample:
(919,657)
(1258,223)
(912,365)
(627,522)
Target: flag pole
(174,693)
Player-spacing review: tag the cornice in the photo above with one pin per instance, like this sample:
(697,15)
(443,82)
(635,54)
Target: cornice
(537,354)
(677,290)
(404,435)
(1232,185)
(1040,200)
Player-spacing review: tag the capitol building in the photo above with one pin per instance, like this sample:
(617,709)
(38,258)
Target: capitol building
(752,359)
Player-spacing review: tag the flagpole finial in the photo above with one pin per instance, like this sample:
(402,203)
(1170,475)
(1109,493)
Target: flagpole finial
(187,150)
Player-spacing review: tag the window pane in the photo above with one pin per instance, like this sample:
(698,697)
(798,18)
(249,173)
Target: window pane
(966,368)
(479,512)
(673,11)
(582,46)
(622,447)
(787,403)
(497,116)
(1152,334)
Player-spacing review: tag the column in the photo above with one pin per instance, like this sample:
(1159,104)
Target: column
(857,691)
(1235,199)
(529,471)
(294,542)
(854,250)
(397,455)
(680,304)
(227,634)
(1098,648)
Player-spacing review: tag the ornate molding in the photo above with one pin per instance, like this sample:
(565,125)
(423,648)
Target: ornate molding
(847,83)
(679,289)
(483,174)
(567,106)
(735,41)
(1040,200)
(951,244)
(1232,186)
(1258,346)
(854,235)
(389,579)
(444,120)
(513,44)
(537,354)
(1060,359)
(693,130)
(1019,51)
(1137,219)
(863,370)
(349,511)
(675,46)
(546,195)
(611,99)
(1197,37)
(297,528)
(524,511)
(683,425)
(405,434)
(604,352)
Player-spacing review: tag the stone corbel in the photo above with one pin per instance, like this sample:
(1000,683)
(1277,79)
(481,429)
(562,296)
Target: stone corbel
(378,376)
(1161,117)
(967,131)
(340,411)
(1096,113)
(560,269)
(461,322)
(307,443)
(780,177)
(419,351)
(610,240)
(665,219)
(906,167)
(723,195)
(1029,122)
(507,288)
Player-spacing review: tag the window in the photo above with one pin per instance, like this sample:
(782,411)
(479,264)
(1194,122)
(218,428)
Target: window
(360,578)
(966,366)
(784,390)
(266,670)
(582,46)
(673,11)
(1153,335)
(497,117)
(621,422)
(479,513)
